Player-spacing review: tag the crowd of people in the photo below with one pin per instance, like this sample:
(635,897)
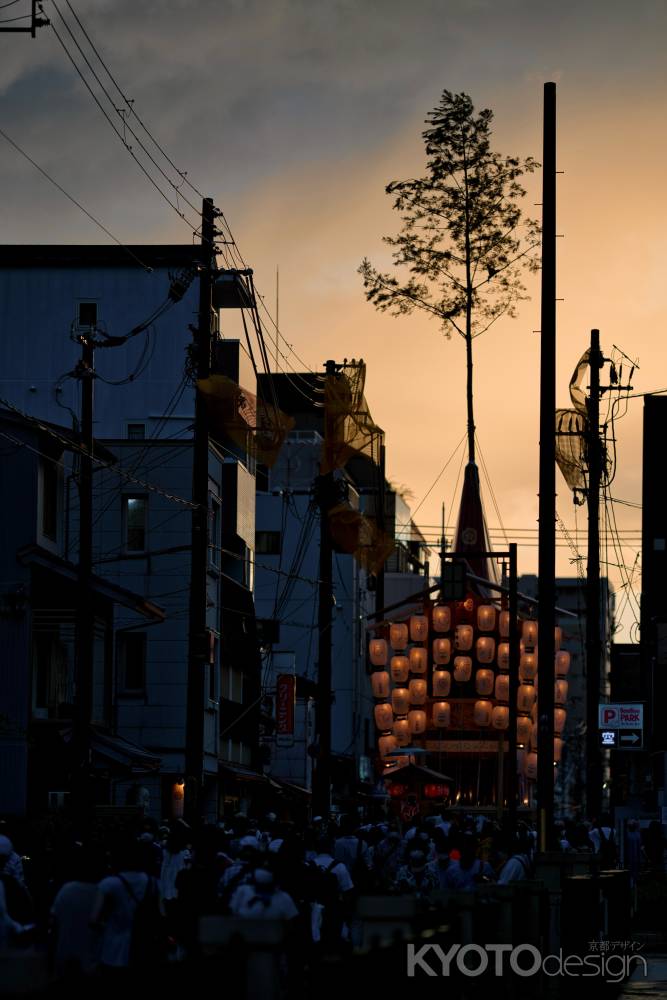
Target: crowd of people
(116,898)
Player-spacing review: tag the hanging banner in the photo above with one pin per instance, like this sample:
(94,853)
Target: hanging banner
(285,696)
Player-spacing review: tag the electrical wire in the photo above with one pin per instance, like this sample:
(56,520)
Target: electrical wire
(85,211)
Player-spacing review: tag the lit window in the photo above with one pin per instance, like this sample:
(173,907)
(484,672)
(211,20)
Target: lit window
(135,511)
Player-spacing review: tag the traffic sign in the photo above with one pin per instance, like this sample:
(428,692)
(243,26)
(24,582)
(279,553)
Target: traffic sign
(621,716)
(630,739)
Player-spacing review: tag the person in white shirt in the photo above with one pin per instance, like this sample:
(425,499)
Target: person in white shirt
(518,866)
(261,898)
(74,944)
(114,907)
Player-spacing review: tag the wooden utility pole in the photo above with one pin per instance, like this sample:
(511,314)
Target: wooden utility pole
(547,499)
(198,642)
(593,639)
(85,612)
(380,521)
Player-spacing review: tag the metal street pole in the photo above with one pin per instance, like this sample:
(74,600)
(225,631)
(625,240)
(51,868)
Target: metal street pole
(547,500)
(513,688)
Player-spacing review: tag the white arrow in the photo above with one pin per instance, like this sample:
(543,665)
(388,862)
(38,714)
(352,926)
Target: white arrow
(629,738)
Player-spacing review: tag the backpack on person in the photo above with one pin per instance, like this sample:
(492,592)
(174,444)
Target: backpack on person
(607,852)
(363,878)
(148,942)
(322,884)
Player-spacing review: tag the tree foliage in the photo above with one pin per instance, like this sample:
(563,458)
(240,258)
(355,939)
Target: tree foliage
(464,241)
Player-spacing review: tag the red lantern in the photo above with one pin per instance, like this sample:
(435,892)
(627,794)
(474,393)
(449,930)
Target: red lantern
(436,791)
(397,791)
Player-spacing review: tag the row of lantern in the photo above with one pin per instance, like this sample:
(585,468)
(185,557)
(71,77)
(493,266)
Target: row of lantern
(488,618)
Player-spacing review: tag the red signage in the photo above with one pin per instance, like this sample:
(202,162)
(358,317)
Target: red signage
(285,695)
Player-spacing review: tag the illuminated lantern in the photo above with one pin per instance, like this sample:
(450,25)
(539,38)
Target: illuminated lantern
(528,666)
(462,669)
(484,682)
(500,717)
(417,721)
(560,716)
(560,692)
(485,649)
(558,749)
(523,728)
(378,652)
(398,636)
(562,663)
(533,736)
(463,637)
(529,632)
(386,744)
(436,791)
(442,651)
(531,765)
(482,713)
(380,684)
(418,660)
(418,628)
(442,618)
(502,690)
(442,714)
(504,624)
(503,657)
(525,698)
(558,637)
(400,666)
(533,711)
(397,791)
(400,701)
(384,717)
(417,690)
(402,732)
(442,682)
(486,618)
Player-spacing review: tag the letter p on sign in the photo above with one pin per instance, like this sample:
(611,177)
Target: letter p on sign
(609,715)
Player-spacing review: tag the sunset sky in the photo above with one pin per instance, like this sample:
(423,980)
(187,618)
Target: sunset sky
(294,115)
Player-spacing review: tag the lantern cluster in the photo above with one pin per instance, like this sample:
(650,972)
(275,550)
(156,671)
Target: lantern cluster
(419,666)
(527,724)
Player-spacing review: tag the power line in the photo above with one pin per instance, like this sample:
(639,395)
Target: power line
(74,201)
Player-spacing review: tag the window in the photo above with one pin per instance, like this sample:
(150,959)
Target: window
(135,512)
(136,432)
(267,543)
(50,500)
(87,314)
(214,533)
(132,660)
(231,681)
(212,686)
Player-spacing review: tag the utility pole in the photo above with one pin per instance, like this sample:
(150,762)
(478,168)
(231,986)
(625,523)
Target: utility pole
(380,521)
(513,689)
(85,612)
(35,22)
(198,644)
(593,640)
(324,492)
(547,499)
